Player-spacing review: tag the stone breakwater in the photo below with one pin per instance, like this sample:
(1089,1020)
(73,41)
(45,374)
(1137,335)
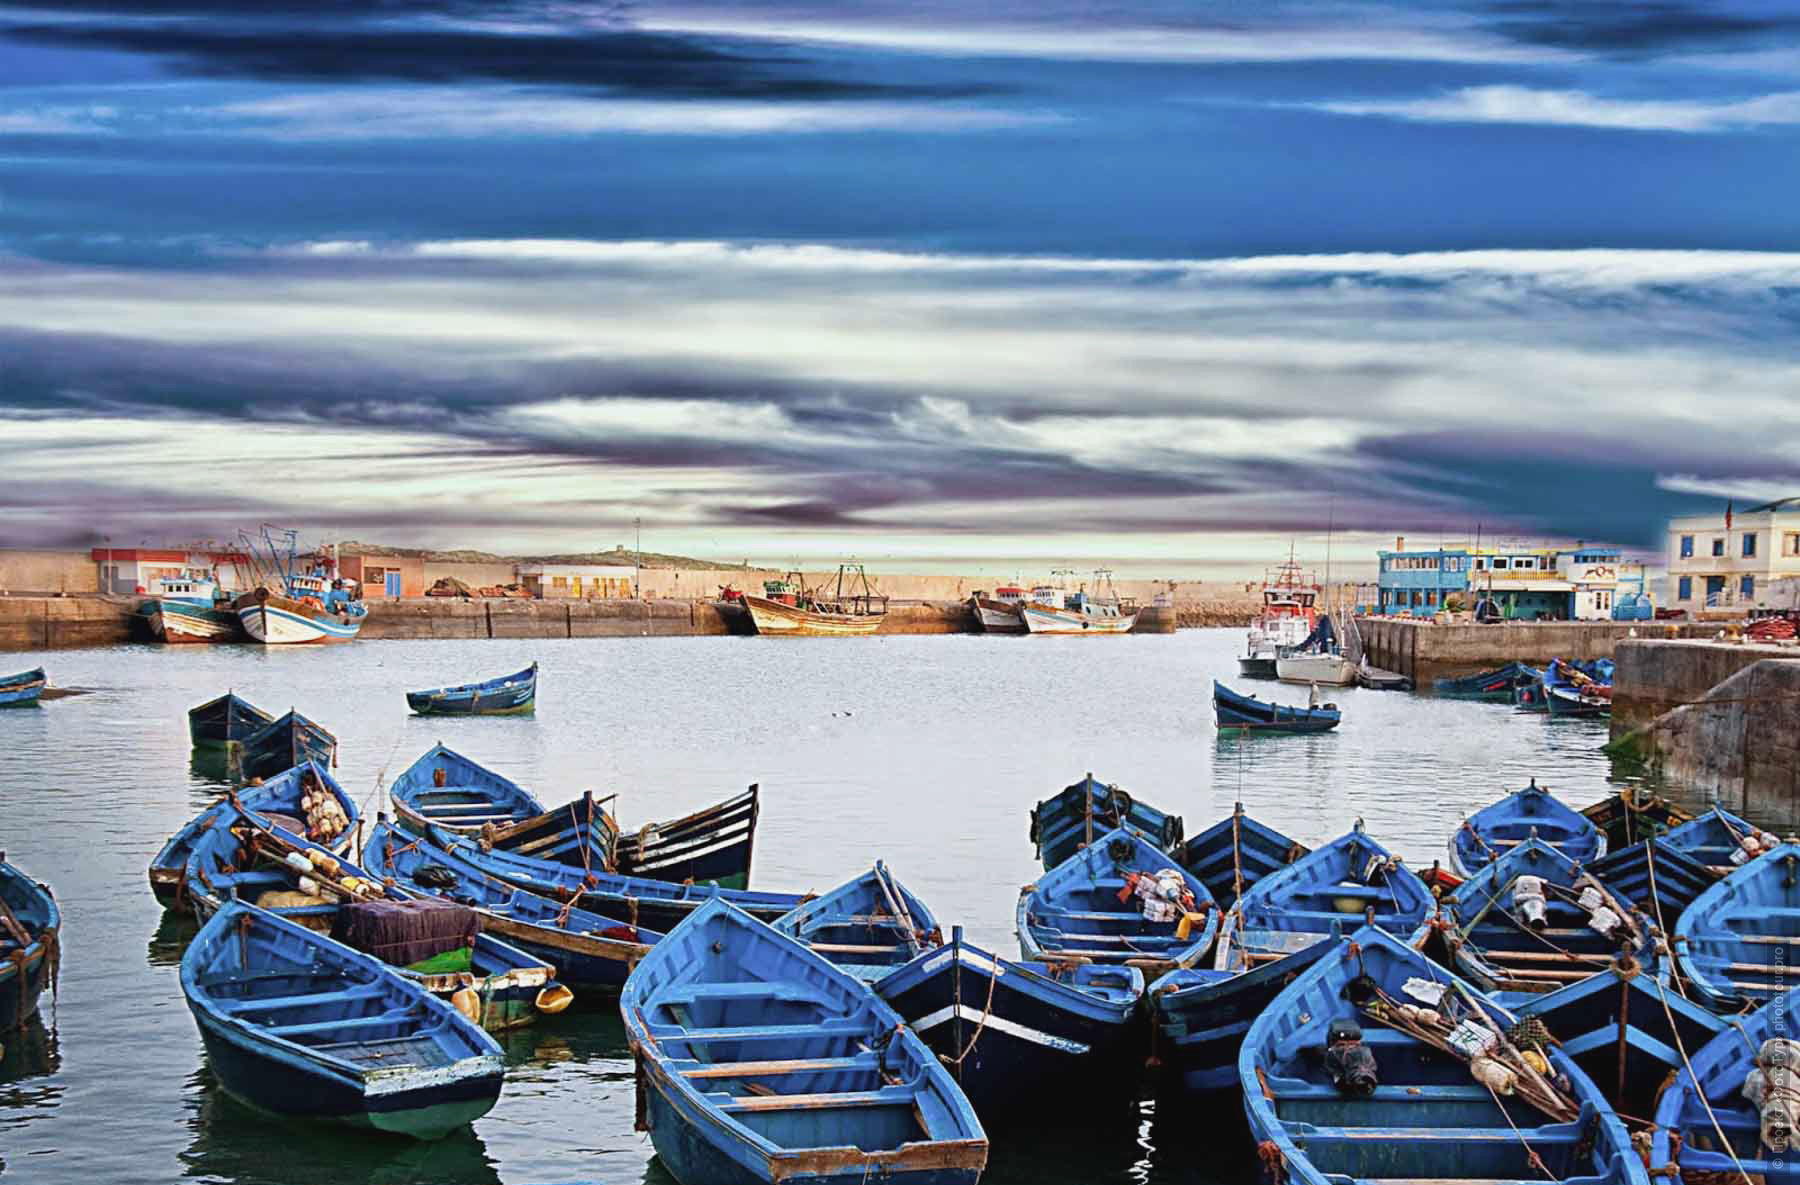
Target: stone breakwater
(47,623)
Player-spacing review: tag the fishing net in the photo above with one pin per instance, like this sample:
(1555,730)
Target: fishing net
(406,932)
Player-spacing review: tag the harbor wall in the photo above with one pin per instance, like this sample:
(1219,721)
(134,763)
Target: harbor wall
(24,570)
(1721,719)
(1427,650)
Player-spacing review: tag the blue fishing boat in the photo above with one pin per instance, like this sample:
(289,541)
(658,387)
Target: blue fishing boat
(660,905)
(306,800)
(509,695)
(589,952)
(1533,811)
(458,794)
(1120,900)
(1235,853)
(283,743)
(1734,941)
(1632,815)
(1720,841)
(1232,711)
(21,690)
(1493,686)
(303,1027)
(868,926)
(30,945)
(713,845)
(1578,689)
(435,943)
(1534,920)
(1063,824)
(190,607)
(1528,692)
(1719,1120)
(1654,877)
(759,1061)
(1356,1072)
(308,602)
(225,723)
(1282,924)
(1626,1030)
(1014,1035)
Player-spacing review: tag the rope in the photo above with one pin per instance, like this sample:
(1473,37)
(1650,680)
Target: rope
(1656,902)
(1675,1036)
(986,1011)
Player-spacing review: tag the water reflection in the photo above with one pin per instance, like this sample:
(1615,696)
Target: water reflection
(233,1143)
(173,933)
(29,1052)
(29,1093)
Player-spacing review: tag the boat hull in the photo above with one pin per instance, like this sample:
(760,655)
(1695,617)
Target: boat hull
(1201,1016)
(1565,702)
(177,621)
(278,621)
(24,974)
(779,620)
(22,690)
(997,617)
(1331,669)
(1258,666)
(511,695)
(1234,712)
(1040,619)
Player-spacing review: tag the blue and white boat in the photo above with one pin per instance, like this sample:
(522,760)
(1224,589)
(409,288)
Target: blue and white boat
(1626,1030)
(1534,920)
(1235,853)
(589,952)
(1349,1075)
(459,794)
(1495,686)
(225,723)
(305,601)
(1719,840)
(190,608)
(1734,941)
(283,743)
(660,905)
(1533,811)
(1235,712)
(507,695)
(435,943)
(21,690)
(1014,1035)
(30,944)
(1707,1126)
(1654,877)
(1281,924)
(760,1061)
(303,1027)
(1578,689)
(306,800)
(1110,903)
(1061,825)
(1528,692)
(868,925)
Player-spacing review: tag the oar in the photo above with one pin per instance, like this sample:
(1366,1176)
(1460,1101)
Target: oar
(899,910)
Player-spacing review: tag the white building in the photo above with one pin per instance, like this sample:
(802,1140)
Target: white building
(578,580)
(1729,562)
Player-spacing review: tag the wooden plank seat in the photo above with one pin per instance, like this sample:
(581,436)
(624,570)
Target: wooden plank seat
(775,1069)
(887,1096)
(748,990)
(255,1004)
(824,1028)
(342,1025)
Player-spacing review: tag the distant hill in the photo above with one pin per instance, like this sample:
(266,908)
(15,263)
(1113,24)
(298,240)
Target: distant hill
(618,555)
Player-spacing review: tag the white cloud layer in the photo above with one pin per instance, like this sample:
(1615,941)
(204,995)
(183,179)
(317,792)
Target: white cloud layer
(1572,108)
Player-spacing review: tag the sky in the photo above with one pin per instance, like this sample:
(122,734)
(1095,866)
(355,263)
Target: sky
(1000,285)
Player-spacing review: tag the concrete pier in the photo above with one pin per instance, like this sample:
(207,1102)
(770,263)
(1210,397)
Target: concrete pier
(1721,719)
(1426,650)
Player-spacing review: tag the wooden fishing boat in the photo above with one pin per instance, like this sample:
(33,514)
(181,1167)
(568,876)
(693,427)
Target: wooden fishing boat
(1062,825)
(1528,692)
(999,614)
(1708,1129)
(435,943)
(459,794)
(1014,1035)
(660,905)
(1533,811)
(303,1027)
(1626,1030)
(868,926)
(1534,920)
(225,723)
(713,845)
(1654,877)
(1633,814)
(1570,691)
(759,1061)
(589,952)
(295,799)
(21,690)
(283,743)
(1719,840)
(1234,711)
(190,608)
(1352,1074)
(30,945)
(1493,686)
(1111,903)
(1235,853)
(508,695)
(1281,924)
(1734,941)
(789,609)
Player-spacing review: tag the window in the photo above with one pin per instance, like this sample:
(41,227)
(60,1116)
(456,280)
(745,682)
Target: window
(1747,588)
(1749,545)
(1687,547)
(1719,546)
(559,582)
(1499,564)
(1481,564)
(1684,589)
(1790,543)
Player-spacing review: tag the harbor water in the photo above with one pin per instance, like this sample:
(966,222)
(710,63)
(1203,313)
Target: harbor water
(926,752)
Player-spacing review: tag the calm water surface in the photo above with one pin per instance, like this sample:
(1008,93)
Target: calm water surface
(923,751)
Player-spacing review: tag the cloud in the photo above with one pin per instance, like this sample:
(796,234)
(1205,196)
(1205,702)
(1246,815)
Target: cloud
(66,120)
(1646,27)
(1522,105)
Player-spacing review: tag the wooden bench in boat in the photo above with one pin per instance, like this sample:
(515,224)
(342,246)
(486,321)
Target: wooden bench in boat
(343,1024)
(887,1096)
(273,1003)
(782,992)
(775,1069)
(823,1028)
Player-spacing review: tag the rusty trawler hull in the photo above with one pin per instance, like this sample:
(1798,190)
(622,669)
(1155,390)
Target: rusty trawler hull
(773,617)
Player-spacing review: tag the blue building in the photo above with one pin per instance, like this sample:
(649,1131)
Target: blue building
(1418,582)
(1580,582)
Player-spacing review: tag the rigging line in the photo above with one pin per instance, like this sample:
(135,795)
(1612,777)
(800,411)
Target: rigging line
(1699,1092)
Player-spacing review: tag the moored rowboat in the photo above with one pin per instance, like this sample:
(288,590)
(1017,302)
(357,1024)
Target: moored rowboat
(30,945)
(508,695)
(1713,1098)
(22,689)
(1533,811)
(225,723)
(1063,824)
(868,926)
